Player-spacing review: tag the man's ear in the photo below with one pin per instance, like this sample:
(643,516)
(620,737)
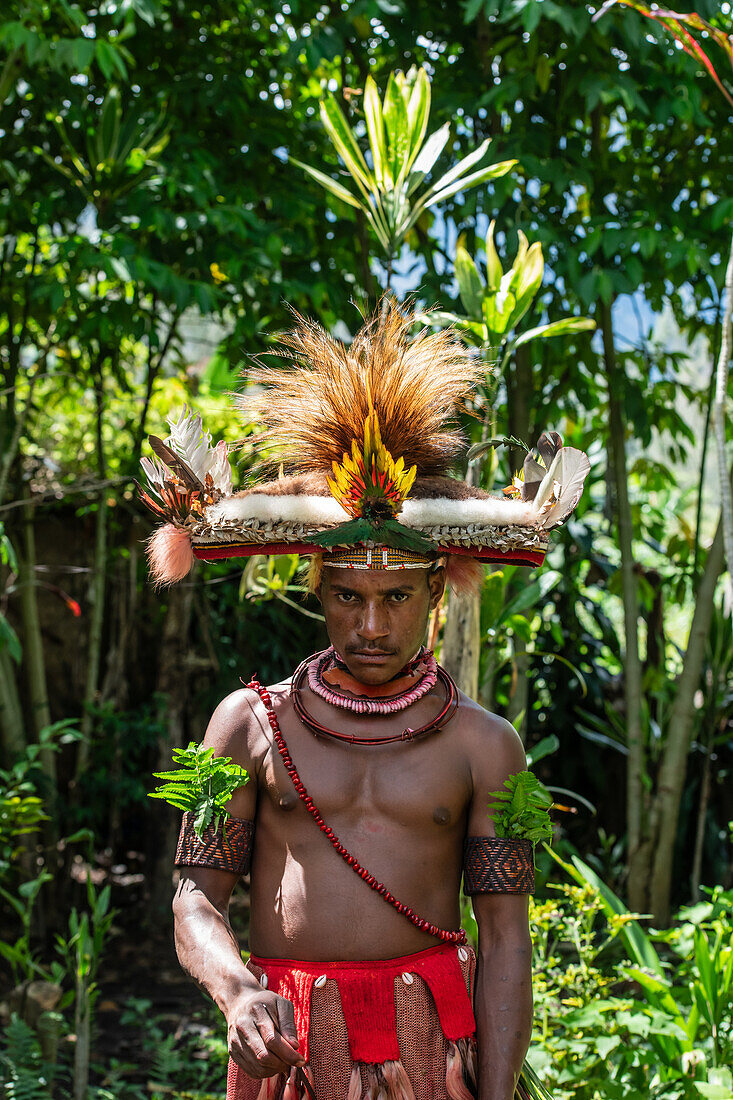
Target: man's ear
(436,584)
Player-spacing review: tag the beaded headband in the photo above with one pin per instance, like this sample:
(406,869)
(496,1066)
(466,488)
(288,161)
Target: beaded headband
(379,557)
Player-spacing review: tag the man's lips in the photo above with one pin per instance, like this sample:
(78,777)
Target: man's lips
(371,654)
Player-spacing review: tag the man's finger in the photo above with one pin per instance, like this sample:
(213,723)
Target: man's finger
(281,1048)
(286,1021)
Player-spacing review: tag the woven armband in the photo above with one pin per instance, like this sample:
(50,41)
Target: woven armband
(227,849)
(498,865)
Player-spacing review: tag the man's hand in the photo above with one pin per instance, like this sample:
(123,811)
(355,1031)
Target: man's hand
(261,1034)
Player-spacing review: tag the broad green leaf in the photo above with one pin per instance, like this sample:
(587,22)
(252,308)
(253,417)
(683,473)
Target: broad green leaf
(331,185)
(543,748)
(555,328)
(9,640)
(494,270)
(470,286)
(345,143)
(375,128)
(657,992)
(531,595)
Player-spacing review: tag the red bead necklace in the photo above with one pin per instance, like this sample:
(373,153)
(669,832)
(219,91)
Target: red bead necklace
(457,937)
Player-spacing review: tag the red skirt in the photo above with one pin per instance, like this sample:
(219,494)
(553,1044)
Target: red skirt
(393,1029)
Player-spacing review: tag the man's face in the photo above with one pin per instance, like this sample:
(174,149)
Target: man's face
(376,619)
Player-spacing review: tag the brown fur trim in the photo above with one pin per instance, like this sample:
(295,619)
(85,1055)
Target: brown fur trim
(315,484)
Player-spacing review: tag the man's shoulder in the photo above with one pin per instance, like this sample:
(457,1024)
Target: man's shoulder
(486,732)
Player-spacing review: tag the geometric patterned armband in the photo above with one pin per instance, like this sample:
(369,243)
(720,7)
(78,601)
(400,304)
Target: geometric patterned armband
(498,865)
(228,852)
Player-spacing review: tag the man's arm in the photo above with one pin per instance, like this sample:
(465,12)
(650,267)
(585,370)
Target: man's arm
(503,998)
(260,1025)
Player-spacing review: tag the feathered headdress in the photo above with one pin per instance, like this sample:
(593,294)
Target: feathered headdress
(364,436)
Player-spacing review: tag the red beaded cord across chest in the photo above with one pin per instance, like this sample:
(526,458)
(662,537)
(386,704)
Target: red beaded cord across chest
(455,937)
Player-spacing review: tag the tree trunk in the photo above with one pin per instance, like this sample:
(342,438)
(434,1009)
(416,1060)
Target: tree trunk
(635,761)
(702,814)
(462,642)
(719,408)
(12,727)
(173,690)
(96,625)
(679,735)
(33,657)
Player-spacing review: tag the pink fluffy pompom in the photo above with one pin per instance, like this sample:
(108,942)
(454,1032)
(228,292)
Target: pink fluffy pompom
(464,575)
(170,554)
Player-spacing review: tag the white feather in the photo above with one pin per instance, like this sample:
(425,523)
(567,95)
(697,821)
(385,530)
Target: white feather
(566,477)
(154,470)
(192,444)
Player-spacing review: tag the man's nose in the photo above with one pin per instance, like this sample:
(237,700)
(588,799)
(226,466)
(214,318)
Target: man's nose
(374,623)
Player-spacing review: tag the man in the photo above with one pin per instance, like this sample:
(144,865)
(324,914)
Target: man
(404,809)
(369,774)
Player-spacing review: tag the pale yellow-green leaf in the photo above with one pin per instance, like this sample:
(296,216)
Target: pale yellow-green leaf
(345,143)
(465,183)
(396,125)
(566,327)
(462,166)
(527,276)
(494,270)
(375,128)
(427,157)
(418,110)
(325,181)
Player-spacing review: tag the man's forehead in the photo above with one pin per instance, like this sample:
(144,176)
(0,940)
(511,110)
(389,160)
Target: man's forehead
(373,580)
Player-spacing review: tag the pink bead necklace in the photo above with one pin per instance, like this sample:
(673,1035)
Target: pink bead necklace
(328,660)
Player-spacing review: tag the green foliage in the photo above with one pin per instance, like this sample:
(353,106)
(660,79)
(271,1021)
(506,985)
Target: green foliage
(202,785)
(522,808)
(608,1027)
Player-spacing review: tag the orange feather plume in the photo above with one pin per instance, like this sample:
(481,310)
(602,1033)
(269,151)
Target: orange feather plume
(314,411)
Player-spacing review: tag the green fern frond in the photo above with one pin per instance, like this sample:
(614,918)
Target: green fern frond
(522,808)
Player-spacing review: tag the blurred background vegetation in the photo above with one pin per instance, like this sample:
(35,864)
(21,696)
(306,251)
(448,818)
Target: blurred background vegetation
(155,230)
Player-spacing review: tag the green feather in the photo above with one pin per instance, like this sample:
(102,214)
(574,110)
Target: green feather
(346,534)
(395,534)
(388,532)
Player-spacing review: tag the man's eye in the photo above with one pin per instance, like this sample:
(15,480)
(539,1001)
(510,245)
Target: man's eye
(400,597)
(346,597)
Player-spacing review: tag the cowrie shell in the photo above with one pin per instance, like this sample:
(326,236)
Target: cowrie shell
(263,981)
(462,954)
(407,978)
(320,981)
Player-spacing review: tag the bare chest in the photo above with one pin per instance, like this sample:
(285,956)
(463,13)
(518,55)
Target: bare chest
(420,785)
